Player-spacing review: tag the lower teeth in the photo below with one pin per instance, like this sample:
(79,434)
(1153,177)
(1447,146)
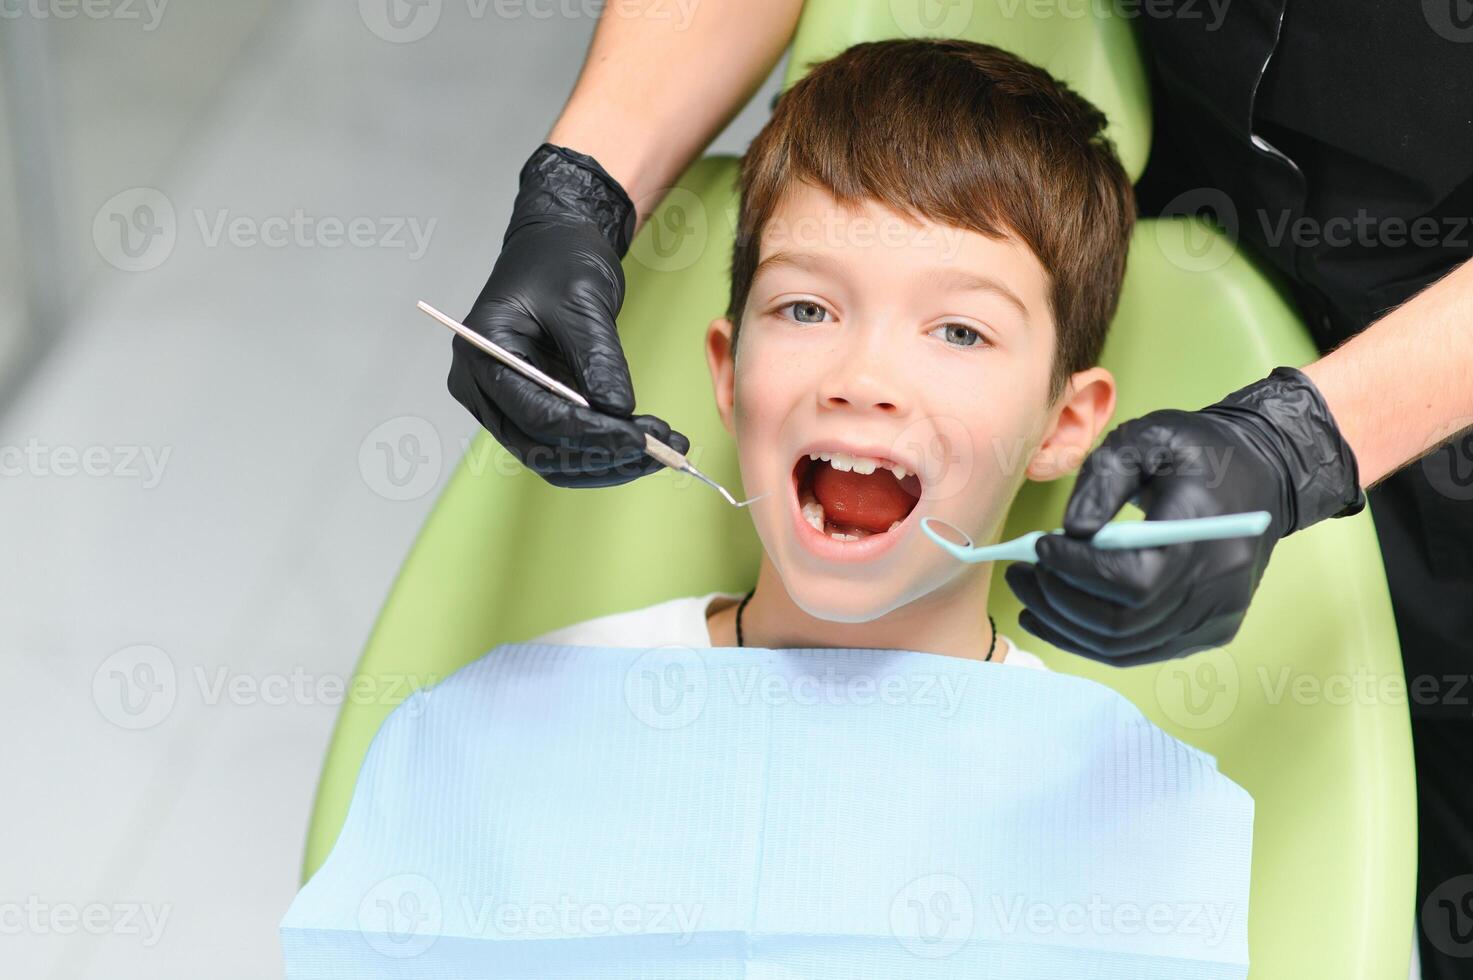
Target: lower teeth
(813,514)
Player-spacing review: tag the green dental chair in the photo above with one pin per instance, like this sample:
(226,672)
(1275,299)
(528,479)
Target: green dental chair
(1283,707)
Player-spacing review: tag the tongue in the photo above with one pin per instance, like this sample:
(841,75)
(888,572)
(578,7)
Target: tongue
(870,501)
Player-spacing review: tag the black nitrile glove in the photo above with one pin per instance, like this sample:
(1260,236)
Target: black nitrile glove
(1270,446)
(552,298)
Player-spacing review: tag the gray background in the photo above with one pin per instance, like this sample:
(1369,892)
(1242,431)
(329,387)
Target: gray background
(259,552)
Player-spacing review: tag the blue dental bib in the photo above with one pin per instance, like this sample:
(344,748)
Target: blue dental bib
(557,811)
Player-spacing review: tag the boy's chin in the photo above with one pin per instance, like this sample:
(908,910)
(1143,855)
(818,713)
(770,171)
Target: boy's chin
(845,602)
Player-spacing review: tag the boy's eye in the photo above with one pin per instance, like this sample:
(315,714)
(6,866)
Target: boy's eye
(961,334)
(806,308)
(958,334)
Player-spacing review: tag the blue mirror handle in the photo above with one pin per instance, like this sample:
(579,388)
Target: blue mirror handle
(1115,536)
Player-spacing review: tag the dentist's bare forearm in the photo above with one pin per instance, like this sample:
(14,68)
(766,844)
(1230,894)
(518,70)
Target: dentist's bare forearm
(662,78)
(1404,385)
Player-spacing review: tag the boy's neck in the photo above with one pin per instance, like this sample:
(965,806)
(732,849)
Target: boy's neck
(951,622)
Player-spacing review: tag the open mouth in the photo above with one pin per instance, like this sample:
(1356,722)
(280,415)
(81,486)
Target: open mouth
(849,497)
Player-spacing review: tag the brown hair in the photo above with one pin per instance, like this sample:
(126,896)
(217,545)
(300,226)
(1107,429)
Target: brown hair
(966,135)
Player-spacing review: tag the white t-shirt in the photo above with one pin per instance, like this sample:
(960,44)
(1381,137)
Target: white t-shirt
(682,622)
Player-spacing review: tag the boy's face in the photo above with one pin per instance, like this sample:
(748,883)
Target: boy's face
(919,344)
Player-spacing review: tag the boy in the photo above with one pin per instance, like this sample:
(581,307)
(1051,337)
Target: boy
(931,243)
(932,239)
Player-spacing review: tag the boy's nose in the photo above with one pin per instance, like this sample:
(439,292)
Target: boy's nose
(888,407)
(865,379)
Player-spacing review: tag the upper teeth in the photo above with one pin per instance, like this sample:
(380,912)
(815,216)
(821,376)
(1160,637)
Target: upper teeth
(859,464)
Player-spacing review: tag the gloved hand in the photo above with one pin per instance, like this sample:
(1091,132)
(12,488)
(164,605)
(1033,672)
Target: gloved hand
(552,298)
(1269,446)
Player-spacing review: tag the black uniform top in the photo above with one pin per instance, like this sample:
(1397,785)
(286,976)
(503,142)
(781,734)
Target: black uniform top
(1341,135)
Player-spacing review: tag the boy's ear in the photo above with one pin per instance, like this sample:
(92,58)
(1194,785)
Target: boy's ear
(722,360)
(1087,405)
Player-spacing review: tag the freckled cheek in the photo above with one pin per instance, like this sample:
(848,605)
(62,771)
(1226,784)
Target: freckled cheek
(1004,446)
(767,387)
(976,443)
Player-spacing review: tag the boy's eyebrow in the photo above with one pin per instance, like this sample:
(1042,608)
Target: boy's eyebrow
(807,261)
(944,277)
(954,278)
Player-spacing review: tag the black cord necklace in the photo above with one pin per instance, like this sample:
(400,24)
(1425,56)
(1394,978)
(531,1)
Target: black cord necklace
(745,599)
(748,598)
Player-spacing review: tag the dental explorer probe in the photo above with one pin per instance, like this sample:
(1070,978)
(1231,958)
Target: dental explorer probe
(652,446)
